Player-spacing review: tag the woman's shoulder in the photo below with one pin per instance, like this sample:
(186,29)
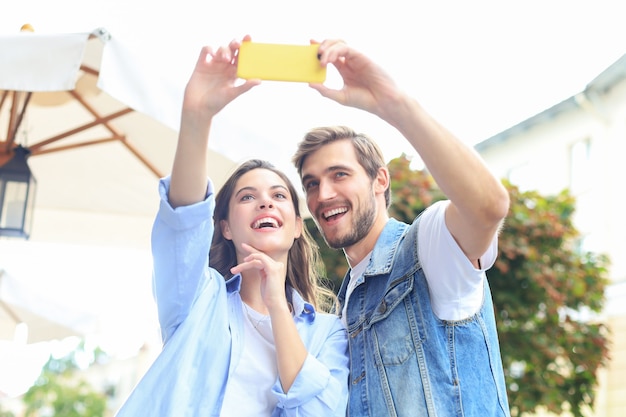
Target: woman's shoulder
(324,332)
(330,322)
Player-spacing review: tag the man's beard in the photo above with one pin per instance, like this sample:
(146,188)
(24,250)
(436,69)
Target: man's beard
(361,225)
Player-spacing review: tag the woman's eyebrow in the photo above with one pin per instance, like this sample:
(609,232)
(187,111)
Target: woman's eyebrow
(242,189)
(251,188)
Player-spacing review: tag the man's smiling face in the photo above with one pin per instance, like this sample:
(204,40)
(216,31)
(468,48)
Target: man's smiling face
(339,194)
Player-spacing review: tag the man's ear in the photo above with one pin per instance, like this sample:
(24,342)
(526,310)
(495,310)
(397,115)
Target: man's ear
(382,180)
(226,230)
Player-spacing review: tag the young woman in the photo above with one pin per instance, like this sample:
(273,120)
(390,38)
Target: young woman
(241,330)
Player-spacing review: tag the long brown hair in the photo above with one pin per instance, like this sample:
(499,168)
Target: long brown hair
(304,266)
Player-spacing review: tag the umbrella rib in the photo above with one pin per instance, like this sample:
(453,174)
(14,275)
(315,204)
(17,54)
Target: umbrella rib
(90,70)
(116,134)
(86,126)
(39,148)
(78,145)
(122,137)
(143,159)
(15,118)
(12,117)
(10,312)
(5,94)
(20,118)
(94,113)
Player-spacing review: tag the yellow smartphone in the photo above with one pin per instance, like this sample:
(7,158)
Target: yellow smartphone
(280,62)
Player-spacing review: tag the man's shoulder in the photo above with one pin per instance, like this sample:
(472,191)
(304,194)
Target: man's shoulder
(390,236)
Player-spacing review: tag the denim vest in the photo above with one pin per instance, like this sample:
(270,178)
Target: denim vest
(404,360)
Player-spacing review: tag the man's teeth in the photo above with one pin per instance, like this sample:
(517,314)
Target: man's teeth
(265,222)
(334,212)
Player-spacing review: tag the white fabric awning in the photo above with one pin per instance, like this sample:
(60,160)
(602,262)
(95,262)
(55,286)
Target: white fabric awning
(100,127)
(33,62)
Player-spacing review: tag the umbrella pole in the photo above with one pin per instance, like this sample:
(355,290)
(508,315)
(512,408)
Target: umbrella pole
(15,119)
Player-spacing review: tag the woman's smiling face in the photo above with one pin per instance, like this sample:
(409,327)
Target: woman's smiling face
(262,214)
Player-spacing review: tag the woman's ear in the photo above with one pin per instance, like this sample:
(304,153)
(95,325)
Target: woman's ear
(299,226)
(226,230)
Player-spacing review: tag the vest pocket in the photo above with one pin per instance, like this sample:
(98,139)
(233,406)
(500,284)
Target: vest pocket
(395,351)
(396,294)
(393,325)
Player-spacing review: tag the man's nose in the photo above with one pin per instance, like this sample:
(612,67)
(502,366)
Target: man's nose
(326,191)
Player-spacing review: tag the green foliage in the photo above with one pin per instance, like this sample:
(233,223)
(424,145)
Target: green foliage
(546,293)
(544,289)
(59,392)
(411,190)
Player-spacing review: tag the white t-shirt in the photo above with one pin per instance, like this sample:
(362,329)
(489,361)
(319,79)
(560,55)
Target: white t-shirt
(456,286)
(249,388)
(355,273)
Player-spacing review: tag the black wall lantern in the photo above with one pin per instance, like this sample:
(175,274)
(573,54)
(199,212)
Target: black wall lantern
(17,195)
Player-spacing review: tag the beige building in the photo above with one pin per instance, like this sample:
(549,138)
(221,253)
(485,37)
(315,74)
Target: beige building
(580,144)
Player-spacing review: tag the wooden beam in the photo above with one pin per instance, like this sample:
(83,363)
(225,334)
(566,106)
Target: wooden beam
(37,146)
(76,145)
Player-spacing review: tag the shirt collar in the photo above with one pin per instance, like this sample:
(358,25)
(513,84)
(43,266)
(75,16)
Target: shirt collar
(300,307)
(384,251)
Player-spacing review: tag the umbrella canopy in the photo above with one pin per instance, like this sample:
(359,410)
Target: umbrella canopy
(50,291)
(96,160)
(28,316)
(102,294)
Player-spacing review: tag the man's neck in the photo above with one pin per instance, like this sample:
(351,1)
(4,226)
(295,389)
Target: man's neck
(358,251)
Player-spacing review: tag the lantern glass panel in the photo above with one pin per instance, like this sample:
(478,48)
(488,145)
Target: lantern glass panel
(14,205)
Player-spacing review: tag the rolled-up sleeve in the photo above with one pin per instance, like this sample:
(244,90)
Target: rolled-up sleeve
(321,387)
(180,240)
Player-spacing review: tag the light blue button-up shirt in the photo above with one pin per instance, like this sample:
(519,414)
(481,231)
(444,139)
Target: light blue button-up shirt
(202,329)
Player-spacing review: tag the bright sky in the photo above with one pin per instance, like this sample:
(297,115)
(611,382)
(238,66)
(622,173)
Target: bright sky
(479,67)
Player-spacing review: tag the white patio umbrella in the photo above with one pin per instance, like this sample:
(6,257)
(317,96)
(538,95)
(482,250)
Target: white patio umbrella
(96,159)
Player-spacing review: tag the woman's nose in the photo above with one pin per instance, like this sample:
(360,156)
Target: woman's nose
(265,205)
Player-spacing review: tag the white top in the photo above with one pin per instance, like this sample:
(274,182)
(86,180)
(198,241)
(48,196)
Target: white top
(257,367)
(456,287)
(355,273)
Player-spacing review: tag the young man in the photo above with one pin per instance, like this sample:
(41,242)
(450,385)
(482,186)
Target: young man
(416,301)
